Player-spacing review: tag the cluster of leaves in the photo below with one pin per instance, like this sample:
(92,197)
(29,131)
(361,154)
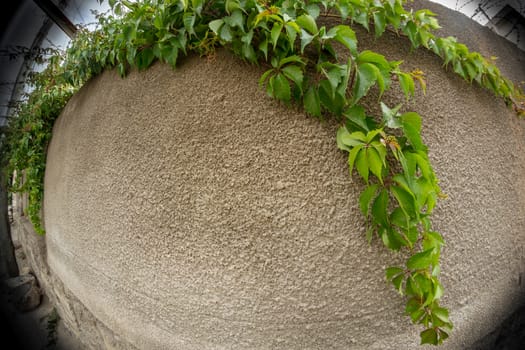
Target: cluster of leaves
(24,143)
(313,65)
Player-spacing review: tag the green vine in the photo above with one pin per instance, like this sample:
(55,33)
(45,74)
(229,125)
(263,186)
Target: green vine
(309,64)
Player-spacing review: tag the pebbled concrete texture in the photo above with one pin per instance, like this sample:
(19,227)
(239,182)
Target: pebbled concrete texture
(187,210)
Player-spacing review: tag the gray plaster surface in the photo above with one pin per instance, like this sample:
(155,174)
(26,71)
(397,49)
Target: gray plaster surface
(187,210)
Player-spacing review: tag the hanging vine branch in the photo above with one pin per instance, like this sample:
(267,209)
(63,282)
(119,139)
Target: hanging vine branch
(318,67)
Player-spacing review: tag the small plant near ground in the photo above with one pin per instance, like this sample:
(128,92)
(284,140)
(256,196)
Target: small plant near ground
(318,67)
(52,324)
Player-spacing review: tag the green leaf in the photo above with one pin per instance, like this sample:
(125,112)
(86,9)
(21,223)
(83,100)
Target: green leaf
(197,6)
(236,19)
(366,197)
(406,201)
(411,31)
(295,74)
(189,22)
(379,208)
(356,115)
(365,78)
(421,260)
(334,76)
(281,88)
(225,33)
(306,39)
(346,36)
(312,105)
(412,132)
(392,239)
(391,272)
(170,53)
(398,283)
(352,157)
(144,58)
(378,60)
(429,336)
(291,59)
(232,5)
(379,22)
(276,32)
(249,53)
(313,10)
(375,163)
(342,132)
(441,313)
(216,25)
(391,116)
(307,22)
(357,138)
(407,84)
(361,164)
(265,76)
(292,31)
(413,119)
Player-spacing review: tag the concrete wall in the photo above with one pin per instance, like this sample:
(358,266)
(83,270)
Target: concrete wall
(187,210)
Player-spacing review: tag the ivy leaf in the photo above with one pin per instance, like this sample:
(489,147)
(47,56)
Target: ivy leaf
(144,58)
(429,336)
(265,76)
(356,138)
(294,73)
(342,132)
(411,126)
(291,30)
(281,88)
(391,116)
(441,313)
(197,6)
(375,163)
(407,84)
(361,164)
(379,208)
(421,260)
(406,201)
(352,157)
(306,39)
(346,36)
(366,197)
(249,53)
(225,33)
(312,105)
(216,25)
(411,31)
(356,115)
(276,32)
(398,283)
(379,22)
(307,22)
(365,78)
(189,22)
(313,10)
(391,272)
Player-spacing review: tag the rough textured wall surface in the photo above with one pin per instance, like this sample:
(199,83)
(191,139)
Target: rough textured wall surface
(186,210)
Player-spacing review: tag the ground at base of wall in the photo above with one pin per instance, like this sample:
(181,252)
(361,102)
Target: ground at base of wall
(37,329)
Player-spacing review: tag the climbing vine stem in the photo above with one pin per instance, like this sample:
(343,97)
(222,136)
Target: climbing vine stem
(309,64)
